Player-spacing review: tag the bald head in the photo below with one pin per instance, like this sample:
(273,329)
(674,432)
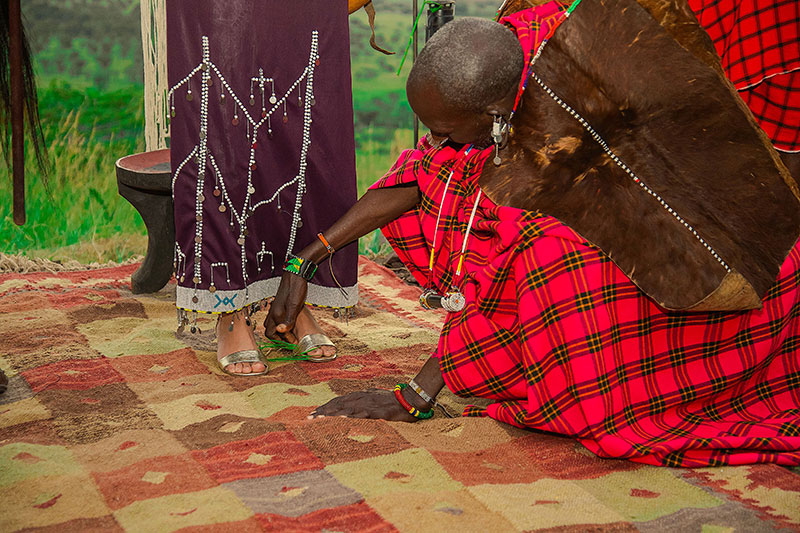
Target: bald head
(472,62)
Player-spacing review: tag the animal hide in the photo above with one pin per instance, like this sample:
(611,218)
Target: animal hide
(645,76)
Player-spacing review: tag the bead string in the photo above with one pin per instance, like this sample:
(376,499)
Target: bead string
(466,236)
(179,262)
(277,192)
(307,103)
(213,288)
(439,215)
(201,165)
(180,168)
(550,33)
(261,253)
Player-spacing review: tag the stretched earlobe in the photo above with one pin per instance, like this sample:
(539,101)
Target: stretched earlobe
(500,128)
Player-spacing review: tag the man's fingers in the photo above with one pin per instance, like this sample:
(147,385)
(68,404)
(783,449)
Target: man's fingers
(269,327)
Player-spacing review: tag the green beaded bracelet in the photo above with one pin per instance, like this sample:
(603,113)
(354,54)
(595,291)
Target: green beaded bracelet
(304,268)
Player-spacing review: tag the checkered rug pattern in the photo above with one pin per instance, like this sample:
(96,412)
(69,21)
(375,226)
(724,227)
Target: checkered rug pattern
(113,421)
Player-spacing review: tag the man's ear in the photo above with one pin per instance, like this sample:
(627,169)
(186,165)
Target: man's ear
(503,106)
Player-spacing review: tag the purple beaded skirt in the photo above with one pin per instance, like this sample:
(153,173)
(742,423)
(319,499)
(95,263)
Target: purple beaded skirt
(261,144)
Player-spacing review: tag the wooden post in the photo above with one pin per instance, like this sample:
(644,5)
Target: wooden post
(17,128)
(414,12)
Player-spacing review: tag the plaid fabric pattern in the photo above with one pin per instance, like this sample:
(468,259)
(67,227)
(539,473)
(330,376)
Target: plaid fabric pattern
(759,44)
(564,342)
(532,26)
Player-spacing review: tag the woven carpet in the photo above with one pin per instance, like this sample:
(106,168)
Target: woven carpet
(114,422)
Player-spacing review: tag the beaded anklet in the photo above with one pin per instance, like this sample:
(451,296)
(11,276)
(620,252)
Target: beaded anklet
(413,411)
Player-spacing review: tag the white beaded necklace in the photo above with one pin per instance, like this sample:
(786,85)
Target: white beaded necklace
(455,291)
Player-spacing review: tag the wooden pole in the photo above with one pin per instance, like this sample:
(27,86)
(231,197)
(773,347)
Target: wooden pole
(17,128)
(414,12)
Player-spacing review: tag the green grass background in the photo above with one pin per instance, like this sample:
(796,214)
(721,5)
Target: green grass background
(88,62)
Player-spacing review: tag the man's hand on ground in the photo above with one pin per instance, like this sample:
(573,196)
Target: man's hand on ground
(372,403)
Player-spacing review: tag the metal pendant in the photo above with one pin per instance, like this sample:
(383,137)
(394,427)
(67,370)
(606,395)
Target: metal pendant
(453,302)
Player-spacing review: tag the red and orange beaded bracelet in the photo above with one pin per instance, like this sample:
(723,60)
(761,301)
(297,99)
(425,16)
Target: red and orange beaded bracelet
(398,393)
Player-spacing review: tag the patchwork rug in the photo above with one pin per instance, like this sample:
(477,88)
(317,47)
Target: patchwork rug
(113,421)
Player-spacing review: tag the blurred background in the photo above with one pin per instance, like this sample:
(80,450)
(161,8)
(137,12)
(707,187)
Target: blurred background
(88,64)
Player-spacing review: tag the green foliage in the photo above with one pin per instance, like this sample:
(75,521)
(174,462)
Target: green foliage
(80,202)
(89,69)
(94,42)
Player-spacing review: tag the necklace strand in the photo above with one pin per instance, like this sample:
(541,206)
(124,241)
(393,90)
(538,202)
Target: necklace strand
(466,236)
(439,215)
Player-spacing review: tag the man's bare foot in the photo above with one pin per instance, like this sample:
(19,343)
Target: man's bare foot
(306,325)
(241,338)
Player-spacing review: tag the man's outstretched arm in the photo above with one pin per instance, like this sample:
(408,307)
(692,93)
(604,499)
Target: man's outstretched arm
(375,209)
(377,403)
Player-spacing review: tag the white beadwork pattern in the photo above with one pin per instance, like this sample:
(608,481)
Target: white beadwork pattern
(179,260)
(253,125)
(261,253)
(596,136)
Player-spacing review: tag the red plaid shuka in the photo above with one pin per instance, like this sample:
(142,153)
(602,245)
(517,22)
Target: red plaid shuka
(564,342)
(759,43)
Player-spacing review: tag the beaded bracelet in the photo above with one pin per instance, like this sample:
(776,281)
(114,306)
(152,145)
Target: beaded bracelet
(428,398)
(413,411)
(331,251)
(304,268)
(420,392)
(325,243)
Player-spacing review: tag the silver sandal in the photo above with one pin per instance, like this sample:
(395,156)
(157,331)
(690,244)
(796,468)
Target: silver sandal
(244,356)
(313,341)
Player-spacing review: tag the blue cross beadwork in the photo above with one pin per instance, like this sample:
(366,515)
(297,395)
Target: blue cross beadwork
(224,301)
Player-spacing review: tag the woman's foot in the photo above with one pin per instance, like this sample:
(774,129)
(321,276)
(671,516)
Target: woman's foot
(307,325)
(239,339)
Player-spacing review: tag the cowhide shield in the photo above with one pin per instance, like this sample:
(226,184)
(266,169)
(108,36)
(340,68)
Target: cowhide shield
(646,78)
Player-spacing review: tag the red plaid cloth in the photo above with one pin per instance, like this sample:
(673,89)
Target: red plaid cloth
(564,342)
(759,43)
(532,26)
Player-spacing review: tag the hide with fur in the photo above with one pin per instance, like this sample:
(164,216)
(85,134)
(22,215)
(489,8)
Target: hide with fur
(646,77)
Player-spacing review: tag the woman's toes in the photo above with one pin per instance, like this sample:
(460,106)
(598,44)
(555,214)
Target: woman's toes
(245,368)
